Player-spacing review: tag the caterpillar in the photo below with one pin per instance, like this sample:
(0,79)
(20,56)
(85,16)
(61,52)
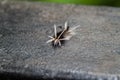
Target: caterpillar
(59,38)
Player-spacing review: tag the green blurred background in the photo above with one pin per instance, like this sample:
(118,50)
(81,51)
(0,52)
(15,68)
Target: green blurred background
(113,3)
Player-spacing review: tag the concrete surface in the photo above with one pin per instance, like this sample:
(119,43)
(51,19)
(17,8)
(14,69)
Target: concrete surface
(93,54)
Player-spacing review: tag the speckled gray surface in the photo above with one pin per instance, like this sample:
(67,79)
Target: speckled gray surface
(94,53)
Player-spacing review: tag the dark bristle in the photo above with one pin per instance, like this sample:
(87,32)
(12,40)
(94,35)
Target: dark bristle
(61,37)
(67,28)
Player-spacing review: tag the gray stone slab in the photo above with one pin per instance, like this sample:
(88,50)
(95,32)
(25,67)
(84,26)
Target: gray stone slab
(94,53)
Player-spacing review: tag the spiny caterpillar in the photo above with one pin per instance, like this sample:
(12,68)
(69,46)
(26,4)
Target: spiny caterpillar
(59,38)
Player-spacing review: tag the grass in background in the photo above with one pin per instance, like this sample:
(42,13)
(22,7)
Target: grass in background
(115,3)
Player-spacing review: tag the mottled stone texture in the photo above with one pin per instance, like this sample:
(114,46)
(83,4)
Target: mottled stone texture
(93,54)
